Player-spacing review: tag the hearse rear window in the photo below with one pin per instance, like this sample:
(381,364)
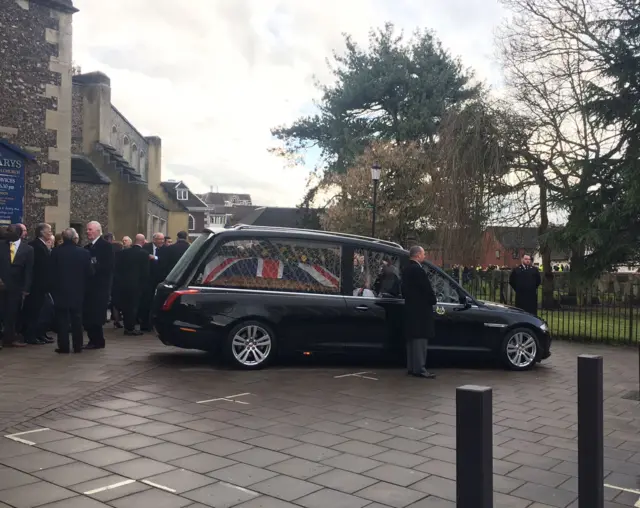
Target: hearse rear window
(273,264)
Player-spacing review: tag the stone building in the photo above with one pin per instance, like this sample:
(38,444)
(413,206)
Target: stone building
(35,101)
(125,163)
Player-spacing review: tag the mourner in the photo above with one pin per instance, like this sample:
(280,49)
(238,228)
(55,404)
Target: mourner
(131,279)
(171,254)
(71,273)
(155,250)
(419,300)
(525,281)
(35,328)
(17,287)
(98,292)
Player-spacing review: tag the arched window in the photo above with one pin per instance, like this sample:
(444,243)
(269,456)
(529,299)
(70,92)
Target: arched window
(126,149)
(143,165)
(135,162)
(192,223)
(114,137)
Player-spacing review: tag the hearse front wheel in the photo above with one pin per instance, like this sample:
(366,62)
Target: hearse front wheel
(520,349)
(250,345)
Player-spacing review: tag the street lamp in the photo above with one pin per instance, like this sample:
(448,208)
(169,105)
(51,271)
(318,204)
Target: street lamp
(375,176)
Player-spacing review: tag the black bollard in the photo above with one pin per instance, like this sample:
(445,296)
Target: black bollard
(474,447)
(590,432)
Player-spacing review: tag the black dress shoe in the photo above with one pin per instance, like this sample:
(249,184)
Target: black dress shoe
(117,324)
(76,351)
(425,375)
(34,342)
(134,333)
(47,340)
(93,346)
(62,351)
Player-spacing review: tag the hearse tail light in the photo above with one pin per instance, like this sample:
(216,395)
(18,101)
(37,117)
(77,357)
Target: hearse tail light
(168,303)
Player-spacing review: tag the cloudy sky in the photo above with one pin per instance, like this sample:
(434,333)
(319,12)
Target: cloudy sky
(212,77)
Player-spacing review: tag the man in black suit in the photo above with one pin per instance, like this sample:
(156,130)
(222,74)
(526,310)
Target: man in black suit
(7,235)
(98,291)
(17,287)
(35,329)
(171,254)
(131,278)
(154,250)
(69,276)
(419,300)
(525,281)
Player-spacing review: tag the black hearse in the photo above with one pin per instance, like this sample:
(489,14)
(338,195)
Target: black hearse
(251,293)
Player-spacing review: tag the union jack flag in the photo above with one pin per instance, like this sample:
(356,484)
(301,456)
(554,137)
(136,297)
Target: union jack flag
(222,267)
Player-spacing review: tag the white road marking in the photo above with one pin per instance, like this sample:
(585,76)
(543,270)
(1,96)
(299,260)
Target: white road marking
(631,491)
(14,437)
(28,432)
(228,398)
(18,440)
(109,487)
(158,486)
(241,489)
(358,374)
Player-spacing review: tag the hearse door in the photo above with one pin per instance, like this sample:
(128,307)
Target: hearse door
(451,330)
(375,319)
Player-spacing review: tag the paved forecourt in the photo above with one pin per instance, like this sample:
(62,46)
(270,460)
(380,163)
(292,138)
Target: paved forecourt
(158,427)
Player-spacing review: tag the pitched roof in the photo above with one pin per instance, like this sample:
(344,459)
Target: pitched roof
(16,150)
(192,201)
(85,171)
(516,238)
(220,198)
(283,217)
(157,201)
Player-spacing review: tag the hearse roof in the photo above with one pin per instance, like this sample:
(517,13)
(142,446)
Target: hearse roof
(310,234)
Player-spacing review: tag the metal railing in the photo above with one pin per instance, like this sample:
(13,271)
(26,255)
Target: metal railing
(607,311)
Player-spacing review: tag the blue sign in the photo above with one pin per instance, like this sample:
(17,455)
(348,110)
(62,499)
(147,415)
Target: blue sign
(12,176)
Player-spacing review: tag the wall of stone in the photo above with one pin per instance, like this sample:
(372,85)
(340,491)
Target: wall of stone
(77,120)
(89,202)
(35,101)
(121,127)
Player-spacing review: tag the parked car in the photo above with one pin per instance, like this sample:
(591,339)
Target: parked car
(252,293)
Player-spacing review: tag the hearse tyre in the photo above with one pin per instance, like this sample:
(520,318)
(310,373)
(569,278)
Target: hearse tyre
(250,345)
(520,349)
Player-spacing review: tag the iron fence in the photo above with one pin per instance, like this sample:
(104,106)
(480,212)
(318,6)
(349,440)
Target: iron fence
(607,311)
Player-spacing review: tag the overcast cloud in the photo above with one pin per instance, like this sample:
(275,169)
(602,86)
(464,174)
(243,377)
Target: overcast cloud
(212,77)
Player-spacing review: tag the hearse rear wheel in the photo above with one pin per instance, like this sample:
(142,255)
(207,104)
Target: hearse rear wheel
(250,345)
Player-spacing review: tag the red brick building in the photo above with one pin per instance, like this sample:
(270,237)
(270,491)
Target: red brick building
(499,246)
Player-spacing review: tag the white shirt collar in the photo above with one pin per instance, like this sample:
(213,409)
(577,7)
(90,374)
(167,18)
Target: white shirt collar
(94,241)
(17,243)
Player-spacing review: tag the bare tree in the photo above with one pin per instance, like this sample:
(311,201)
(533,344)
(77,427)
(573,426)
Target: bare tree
(551,51)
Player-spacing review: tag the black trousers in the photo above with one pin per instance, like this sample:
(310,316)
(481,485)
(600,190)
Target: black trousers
(144,306)
(10,307)
(129,303)
(69,319)
(35,314)
(95,334)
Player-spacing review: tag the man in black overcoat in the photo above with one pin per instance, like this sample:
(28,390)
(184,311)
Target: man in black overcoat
(69,276)
(8,234)
(35,328)
(419,300)
(154,250)
(525,281)
(131,278)
(171,254)
(17,287)
(98,291)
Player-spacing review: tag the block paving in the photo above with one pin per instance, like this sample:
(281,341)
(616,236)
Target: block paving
(142,425)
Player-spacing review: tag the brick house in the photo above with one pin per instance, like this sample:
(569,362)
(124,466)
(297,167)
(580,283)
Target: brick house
(498,246)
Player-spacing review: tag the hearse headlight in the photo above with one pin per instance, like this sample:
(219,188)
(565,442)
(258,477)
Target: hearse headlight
(544,327)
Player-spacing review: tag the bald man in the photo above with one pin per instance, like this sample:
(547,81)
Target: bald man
(132,277)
